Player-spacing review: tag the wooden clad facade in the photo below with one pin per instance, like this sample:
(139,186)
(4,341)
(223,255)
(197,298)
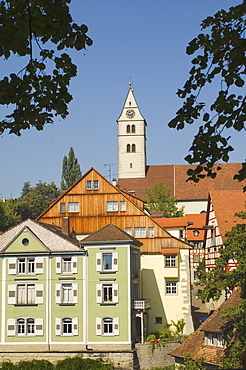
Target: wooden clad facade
(93,202)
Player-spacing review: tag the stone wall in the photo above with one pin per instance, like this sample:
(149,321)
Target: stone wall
(148,358)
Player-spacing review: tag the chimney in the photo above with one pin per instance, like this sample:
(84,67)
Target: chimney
(65,226)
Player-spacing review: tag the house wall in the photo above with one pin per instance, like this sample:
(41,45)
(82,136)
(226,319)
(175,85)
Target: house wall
(193,206)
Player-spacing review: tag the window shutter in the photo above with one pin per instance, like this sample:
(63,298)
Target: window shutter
(74,265)
(98,326)
(75,292)
(39,265)
(99,293)
(116,326)
(75,323)
(39,324)
(12,266)
(99,262)
(115,293)
(39,293)
(58,265)
(115,261)
(11,327)
(58,326)
(58,293)
(11,294)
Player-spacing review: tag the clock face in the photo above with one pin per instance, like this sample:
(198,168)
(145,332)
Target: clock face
(130,113)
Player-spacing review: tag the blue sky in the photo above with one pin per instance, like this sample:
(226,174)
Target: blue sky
(144,39)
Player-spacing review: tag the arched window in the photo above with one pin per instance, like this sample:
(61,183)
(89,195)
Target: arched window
(107,326)
(67,327)
(128,148)
(133,148)
(133,129)
(128,129)
(25,326)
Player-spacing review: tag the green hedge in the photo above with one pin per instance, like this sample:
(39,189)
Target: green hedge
(70,363)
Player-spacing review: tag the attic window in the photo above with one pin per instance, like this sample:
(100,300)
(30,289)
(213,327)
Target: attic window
(25,241)
(196,232)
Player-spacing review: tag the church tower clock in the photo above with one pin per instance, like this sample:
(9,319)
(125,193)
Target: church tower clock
(131,140)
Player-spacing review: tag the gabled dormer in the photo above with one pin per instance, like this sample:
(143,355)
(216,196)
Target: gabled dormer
(131,140)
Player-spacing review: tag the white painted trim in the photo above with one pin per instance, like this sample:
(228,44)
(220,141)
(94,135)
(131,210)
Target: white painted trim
(129,291)
(85,299)
(3,299)
(48,261)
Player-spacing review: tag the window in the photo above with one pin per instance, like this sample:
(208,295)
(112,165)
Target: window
(62,207)
(26,294)
(89,185)
(67,293)
(151,232)
(133,148)
(25,326)
(107,326)
(220,342)
(130,165)
(170,260)
(133,129)
(195,232)
(107,293)
(26,265)
(67,326)
(66,265)
(128,148)
(181,234)
(129,230)
(73,207)
(128,129)
(112,206)
(171,287)
(140,232)
(107,261)
(158,320)
(96,184)
(210,339)
(196,259)
(122,206)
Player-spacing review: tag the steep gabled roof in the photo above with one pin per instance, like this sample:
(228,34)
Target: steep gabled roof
(109,234)
(194,344)
(225,204)
(49,235)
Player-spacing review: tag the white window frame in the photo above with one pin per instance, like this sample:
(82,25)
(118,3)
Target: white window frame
(128,230)
(151,232)
(61,267)
(112,321)
(30,294)
(112,206)
(89,185)
(122,206)
(171,288)
(36,326)
(60,293)
(59,326)
(26,266)
(220,340)
(73,207)
(210,339)
(113,295)
(100,259)
(170,260)
(139,232)
(62,207)
(96,184)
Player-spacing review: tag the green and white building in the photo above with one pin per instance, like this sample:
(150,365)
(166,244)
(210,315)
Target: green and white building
(60,295)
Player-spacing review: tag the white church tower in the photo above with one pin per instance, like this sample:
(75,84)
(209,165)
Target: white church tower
(131,140)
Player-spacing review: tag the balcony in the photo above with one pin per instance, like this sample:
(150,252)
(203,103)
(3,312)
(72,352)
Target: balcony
(142,304)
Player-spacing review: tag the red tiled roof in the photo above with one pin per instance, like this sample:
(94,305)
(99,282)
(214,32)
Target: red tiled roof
(175,177)
(194,344)
(225,204)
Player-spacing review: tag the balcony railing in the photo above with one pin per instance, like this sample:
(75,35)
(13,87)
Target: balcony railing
(142,304)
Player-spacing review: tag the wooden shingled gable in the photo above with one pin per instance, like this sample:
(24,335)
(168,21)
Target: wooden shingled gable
(93,215)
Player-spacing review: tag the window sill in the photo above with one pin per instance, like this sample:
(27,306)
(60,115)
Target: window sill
(66,304)
(25,304)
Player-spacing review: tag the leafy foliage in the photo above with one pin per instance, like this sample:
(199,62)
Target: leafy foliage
(34,201)
(39,91)
(9,216)
(159,199)
(71,171)
(220,59)
(220,280)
